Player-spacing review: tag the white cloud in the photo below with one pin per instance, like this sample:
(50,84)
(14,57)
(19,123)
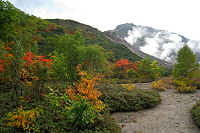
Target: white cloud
(175,38)
(151,47)
(133,35)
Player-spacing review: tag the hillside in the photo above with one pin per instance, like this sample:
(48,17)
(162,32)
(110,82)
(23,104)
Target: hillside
(159,43)
(108,40)
(94,36)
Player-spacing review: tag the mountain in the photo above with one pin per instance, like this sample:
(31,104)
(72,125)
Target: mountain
(109,40)
(159,43)
(113,37)
(94,36)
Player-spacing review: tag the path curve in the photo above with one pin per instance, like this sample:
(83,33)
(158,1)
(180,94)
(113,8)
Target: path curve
(170,116)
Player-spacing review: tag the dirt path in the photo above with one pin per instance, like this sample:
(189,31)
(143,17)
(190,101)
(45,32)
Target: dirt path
(171,116)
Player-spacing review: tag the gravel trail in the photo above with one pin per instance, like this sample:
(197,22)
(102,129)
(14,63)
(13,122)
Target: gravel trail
(170,116)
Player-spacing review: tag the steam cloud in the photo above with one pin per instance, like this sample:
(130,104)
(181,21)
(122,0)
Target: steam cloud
(160,43)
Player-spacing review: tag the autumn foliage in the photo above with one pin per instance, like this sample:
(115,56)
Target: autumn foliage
(19,68)
(31,58)
(145,68)
(125,64)
(34,68)
(125,69)
(7,57)
(159,85)
(21,118)
(3,63)
(86,88)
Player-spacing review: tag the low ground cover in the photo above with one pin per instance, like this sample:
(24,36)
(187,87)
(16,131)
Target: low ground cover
(117,98)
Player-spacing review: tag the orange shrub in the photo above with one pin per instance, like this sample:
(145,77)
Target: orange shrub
(86,88)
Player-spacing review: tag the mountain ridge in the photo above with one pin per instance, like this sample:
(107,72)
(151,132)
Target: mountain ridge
(135,50)
(101,39)
(162,44)
(94,36)
(124,28)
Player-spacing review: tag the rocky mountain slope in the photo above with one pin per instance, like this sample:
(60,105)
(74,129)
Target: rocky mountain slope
(159,43)
(113,37)
(110,40)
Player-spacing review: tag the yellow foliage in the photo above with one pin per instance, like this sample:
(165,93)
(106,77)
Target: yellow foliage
(22,119)
(186,89)
(128,86)
(99,105)
(29,83)
(183,87)
(35,77)
(86,88)
(159,85)
(26,74)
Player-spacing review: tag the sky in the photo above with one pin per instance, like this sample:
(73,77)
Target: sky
(178,16)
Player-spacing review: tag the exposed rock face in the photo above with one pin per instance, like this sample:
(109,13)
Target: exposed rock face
(113,37)
(158,43)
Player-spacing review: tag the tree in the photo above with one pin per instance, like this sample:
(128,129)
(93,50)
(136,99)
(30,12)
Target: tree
(8,20)
(148,69)
(186,65)
(94,58)
(125,64)
(125,69)
(67,57)
(72,51)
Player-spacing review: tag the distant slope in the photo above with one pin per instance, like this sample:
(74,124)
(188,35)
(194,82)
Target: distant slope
(109,40)
(112,36)
(159,43)
(94,36)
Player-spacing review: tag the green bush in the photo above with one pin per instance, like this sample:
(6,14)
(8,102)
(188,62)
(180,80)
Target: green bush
(119,99)
(103,124)
(195,111)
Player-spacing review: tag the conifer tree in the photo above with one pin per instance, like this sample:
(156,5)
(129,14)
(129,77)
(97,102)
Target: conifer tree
(186,66)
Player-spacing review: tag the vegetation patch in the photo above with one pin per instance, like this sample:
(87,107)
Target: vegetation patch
(159,85)
(195,111)
(119,99)
(183,87)
(57,112)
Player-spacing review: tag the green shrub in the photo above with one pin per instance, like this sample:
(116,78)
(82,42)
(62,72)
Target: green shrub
(119,99)
(124,81)
(195,111)
(103,124)
(143,80)
(134,80)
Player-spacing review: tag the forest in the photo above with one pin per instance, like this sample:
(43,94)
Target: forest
(62,76)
